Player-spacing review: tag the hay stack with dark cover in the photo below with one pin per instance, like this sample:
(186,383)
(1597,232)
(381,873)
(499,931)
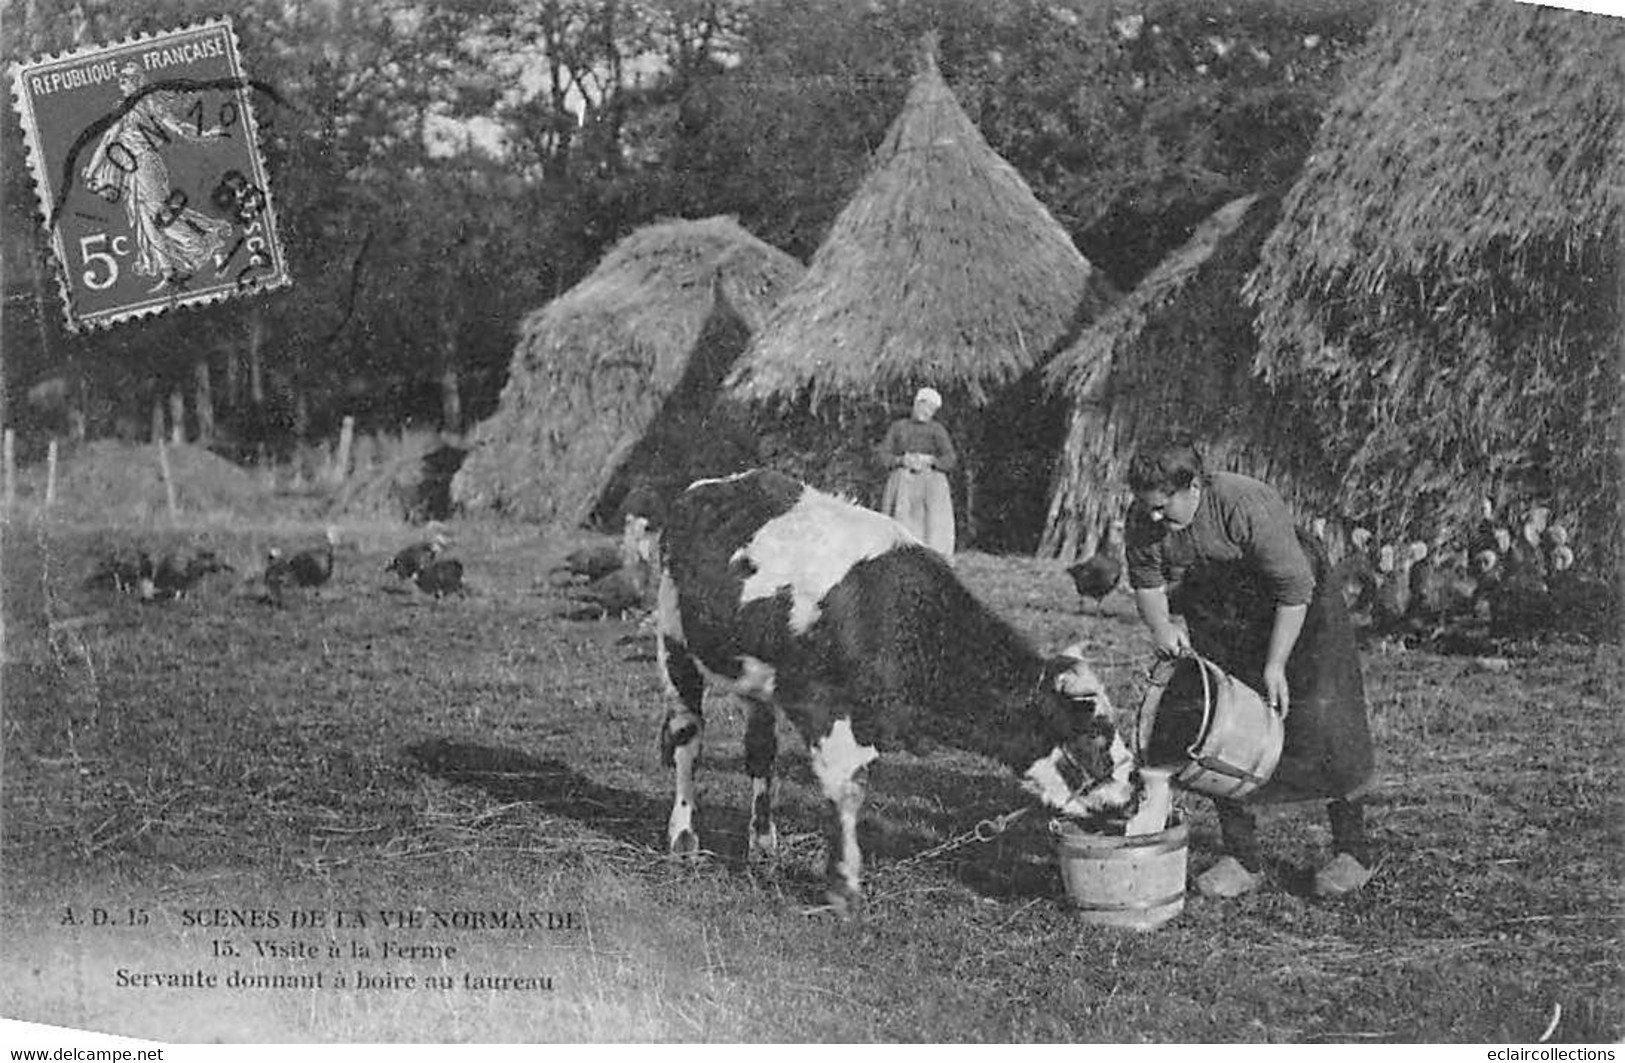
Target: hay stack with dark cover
(1175,353)
(944,269)
(1443,288)
(635,350)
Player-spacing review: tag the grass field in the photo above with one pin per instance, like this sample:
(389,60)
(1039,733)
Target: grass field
(367,751)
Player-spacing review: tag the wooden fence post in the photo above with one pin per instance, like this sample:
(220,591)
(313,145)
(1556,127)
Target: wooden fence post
(177,417)
(169,479)
(11,469)
(50,474)
(204,403)
(341,461)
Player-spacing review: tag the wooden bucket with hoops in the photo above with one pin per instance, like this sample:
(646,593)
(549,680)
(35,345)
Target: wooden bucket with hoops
(1133,880)
(1217,733)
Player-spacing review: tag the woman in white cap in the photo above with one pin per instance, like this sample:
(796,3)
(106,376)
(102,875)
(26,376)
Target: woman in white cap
(919,453)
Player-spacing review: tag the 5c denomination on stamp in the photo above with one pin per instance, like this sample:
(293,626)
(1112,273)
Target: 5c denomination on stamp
(149,174)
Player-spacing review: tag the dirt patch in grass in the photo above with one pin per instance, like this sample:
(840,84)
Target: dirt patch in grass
(368,749)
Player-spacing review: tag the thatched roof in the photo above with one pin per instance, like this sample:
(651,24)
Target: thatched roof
(1175,353)
(1465,125)
(1443,286)
(594,368)
(1082,370)
(943,269)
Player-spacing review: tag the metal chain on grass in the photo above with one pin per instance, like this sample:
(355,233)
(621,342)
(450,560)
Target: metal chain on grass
(984,831)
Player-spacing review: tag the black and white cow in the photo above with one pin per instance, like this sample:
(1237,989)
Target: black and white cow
(866,640)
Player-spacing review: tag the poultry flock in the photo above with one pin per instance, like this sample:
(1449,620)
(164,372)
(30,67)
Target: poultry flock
(1486,586)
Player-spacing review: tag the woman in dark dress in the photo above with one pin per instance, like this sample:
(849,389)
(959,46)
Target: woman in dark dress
(1221,553)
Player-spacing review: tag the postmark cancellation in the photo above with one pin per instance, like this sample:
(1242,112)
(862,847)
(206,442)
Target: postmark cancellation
(151,183)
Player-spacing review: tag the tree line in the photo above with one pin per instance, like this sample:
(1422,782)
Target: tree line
(439,169)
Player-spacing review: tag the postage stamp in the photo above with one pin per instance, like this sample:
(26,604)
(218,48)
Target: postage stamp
(148,169)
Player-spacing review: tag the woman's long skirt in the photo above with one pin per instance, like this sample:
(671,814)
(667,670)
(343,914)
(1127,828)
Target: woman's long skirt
(921,502)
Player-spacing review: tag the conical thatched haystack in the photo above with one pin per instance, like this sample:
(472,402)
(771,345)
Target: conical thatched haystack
(597,368)
(944,269)
(1176,353)
(1443,288)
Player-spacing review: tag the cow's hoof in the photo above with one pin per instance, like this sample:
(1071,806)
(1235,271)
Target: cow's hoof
(844,901)
(836,904)
(685,843)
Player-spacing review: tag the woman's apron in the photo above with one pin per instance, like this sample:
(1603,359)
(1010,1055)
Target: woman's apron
(1326,749)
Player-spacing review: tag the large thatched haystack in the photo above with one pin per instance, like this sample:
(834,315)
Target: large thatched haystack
(1175,354)
(944,269)
(1443,287)
(635,350)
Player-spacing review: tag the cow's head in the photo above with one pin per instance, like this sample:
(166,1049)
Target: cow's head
(1088,766)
